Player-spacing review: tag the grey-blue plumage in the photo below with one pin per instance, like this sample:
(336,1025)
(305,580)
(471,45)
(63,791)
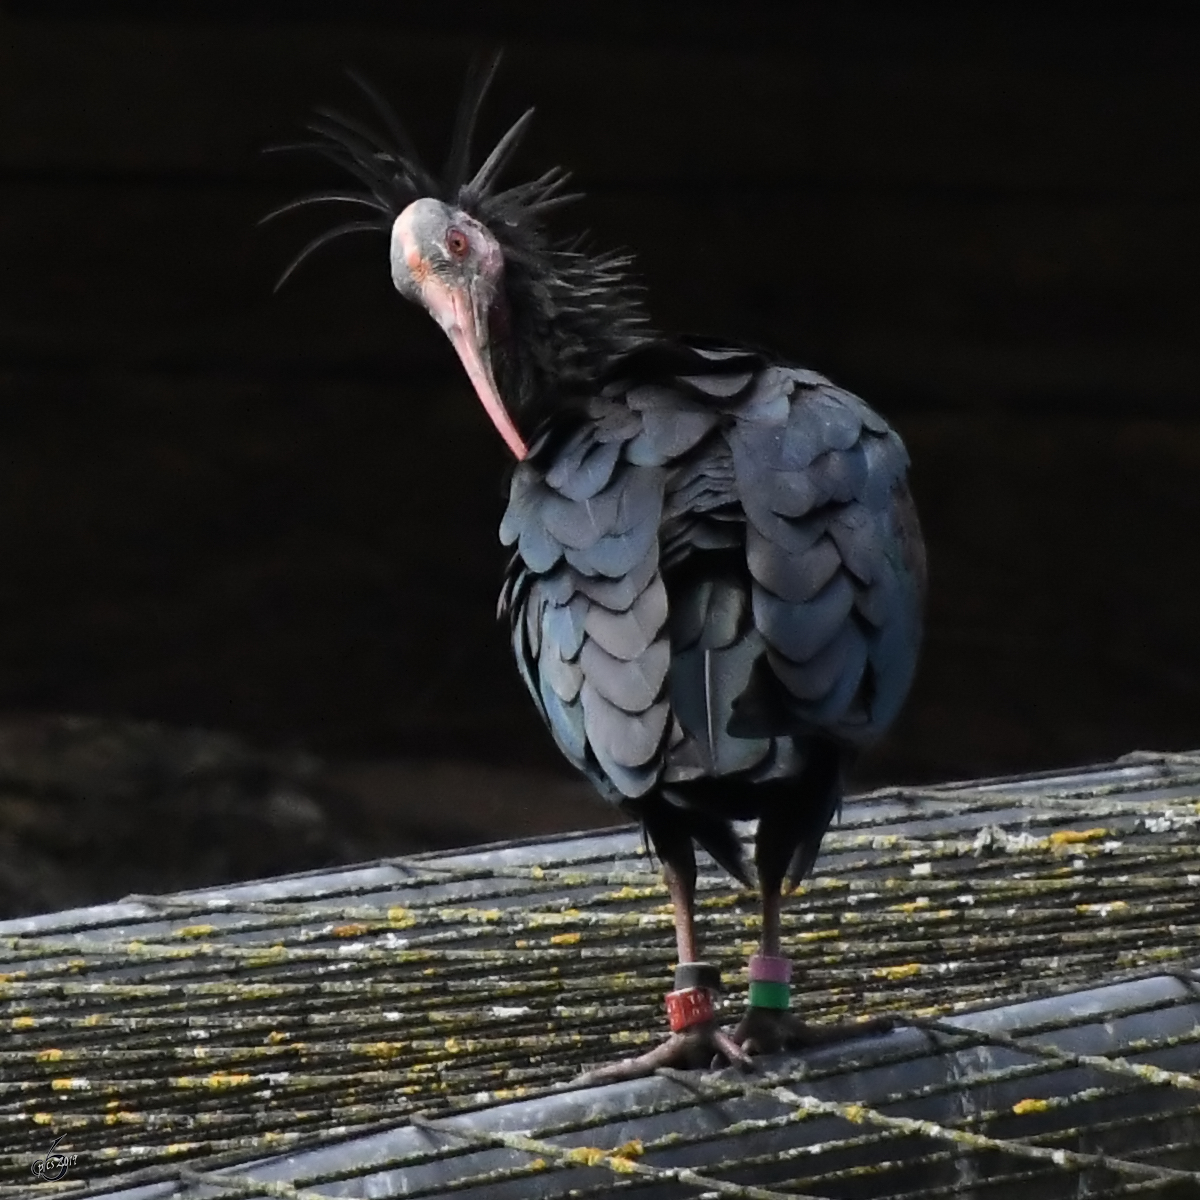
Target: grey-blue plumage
(717,574)
(717,570)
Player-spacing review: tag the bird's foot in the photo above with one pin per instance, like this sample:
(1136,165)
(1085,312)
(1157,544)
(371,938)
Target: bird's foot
(771,1030)
(698,1046)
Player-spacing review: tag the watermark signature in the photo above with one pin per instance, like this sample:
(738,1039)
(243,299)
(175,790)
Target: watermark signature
(55,1165)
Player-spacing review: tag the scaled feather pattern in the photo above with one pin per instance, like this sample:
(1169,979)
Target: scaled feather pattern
(710,568)
(717,577)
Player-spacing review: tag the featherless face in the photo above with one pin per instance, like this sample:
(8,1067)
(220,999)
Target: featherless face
(446,261)
(532,320)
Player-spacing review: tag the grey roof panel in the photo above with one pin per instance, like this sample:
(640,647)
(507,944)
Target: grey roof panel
(410,1027)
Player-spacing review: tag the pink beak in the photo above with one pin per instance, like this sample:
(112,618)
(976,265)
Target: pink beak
(457,312)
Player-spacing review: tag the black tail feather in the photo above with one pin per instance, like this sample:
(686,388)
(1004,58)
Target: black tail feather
(795,815)
(720,840)
(671,829)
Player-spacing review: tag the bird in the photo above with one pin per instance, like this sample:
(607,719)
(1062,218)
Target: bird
(717,578)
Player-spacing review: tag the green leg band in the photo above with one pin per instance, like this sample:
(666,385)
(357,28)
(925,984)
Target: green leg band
(764,994)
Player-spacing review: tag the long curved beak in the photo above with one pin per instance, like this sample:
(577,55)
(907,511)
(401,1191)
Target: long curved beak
(462,314)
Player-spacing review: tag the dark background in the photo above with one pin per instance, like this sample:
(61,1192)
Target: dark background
(275,516)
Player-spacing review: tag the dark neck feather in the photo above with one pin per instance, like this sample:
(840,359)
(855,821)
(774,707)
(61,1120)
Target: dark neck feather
(568,318)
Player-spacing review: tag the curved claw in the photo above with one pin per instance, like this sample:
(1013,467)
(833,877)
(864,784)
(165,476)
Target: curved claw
(705,1045)
(728,1049)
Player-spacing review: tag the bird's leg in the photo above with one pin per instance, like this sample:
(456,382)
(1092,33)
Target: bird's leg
(682,891)
(785,846)
(768,1026)
(697,1039)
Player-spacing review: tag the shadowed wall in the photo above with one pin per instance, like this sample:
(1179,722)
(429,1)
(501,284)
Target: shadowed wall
(276,515)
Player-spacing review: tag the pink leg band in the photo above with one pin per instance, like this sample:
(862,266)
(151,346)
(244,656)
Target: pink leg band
(770,970)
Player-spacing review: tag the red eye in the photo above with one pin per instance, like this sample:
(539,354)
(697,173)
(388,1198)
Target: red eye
(457,243)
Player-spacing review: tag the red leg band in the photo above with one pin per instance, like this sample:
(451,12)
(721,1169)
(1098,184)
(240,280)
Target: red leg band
(692,1006)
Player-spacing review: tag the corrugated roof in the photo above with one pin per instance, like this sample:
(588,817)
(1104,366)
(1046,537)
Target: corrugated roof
(410,1027)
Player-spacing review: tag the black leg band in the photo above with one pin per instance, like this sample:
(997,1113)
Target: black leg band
(698,975)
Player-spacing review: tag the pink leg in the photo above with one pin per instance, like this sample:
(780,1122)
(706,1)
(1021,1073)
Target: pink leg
(697,1046)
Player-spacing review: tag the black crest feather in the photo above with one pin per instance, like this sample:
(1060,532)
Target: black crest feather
(578,310)
(393,174)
